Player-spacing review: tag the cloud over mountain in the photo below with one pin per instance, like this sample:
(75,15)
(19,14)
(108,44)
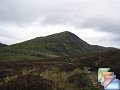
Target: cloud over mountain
(100,15)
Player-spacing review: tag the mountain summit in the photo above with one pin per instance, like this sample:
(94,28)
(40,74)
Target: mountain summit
(55,45)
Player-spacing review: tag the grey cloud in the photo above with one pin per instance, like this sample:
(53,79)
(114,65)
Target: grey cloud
(102,15)
(55,11)
(116,38)
(103,24)
(7,34)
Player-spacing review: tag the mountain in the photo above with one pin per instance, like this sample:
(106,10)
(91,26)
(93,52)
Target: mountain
(55,45)
(2,45)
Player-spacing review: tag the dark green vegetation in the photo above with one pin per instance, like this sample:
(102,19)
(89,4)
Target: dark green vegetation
(52,46)
(60,61)
(29,82)
(2,45)
(62,73)
(44,76)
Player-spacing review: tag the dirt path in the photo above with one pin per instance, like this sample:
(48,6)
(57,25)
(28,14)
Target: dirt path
(94,79)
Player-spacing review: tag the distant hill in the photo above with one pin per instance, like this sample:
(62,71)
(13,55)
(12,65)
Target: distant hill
(2,45)
(55,45)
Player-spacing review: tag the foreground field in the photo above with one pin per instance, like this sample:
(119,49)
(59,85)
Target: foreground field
(44,76)
(64,73)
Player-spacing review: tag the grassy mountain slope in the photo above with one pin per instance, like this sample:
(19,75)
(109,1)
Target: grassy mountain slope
(56,45)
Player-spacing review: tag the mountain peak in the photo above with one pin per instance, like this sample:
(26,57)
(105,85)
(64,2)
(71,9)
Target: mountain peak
(66,32)
(55,45)
(63,35)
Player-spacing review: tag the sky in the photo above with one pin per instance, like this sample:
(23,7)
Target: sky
(95,21)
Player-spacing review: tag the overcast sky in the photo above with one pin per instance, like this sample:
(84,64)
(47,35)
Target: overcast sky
(95,21)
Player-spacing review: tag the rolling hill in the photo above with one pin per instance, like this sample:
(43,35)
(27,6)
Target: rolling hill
(2,45)
(55,45)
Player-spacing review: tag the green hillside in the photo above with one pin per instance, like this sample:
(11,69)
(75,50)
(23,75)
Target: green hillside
(56,45)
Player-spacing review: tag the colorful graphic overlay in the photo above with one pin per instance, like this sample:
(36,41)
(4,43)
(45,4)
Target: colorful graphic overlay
(108,79)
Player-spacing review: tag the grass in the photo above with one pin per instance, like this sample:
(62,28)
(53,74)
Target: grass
(79,79)
(60,44)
